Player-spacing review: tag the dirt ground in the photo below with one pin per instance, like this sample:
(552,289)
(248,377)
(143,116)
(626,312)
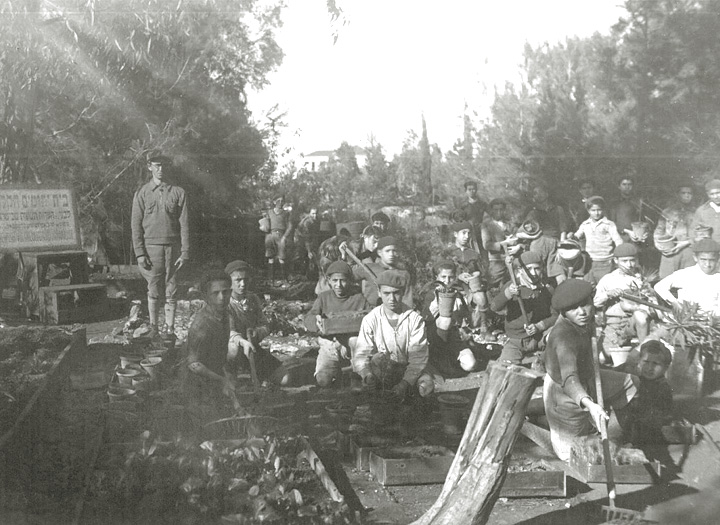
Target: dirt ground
(83,439)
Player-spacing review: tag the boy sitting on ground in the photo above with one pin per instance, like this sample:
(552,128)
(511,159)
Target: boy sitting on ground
(449,336)
(335,350)
(249,326)
(525,329)
(653,404)
(392,348)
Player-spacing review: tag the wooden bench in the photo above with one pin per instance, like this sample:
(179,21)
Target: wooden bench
(72,303)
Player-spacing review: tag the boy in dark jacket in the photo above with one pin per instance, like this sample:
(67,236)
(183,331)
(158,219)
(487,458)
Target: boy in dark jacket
(653,404)
(525,331)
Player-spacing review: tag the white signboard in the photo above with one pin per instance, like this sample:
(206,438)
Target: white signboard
(38,220)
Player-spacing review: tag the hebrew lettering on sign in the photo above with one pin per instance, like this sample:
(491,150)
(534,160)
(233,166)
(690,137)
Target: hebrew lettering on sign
(38,220)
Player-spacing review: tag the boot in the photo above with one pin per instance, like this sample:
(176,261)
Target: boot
(169,319)
(271,271)
(282,275)
(153,316)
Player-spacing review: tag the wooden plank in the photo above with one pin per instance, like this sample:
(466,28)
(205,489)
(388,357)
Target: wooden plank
(396,466)
(332,475)
(471,381)
(74,287)
(535,484)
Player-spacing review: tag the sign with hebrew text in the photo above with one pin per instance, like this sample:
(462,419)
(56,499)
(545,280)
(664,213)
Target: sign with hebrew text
(34,219)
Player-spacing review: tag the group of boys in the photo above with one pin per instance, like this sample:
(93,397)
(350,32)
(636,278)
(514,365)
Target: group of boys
(542,278)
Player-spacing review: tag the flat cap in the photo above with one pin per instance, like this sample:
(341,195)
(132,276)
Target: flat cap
(706,245)
(459,226)
(626,249)
(712,185)
(392,278)
(380,216)
(159,159)
(529,230)
(571,293)
(339,267)
(237,266)
(386,241)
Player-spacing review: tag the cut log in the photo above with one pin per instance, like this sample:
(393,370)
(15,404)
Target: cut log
(473,484)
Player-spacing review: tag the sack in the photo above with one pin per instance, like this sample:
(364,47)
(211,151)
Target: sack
(264,224)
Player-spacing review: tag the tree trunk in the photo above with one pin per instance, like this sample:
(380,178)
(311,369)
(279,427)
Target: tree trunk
(473,484)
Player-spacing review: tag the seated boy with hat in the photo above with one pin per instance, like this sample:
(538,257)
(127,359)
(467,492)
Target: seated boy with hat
(624,319)
(526,303)
(392,347)
(335,350)
(388,258)
(569,390)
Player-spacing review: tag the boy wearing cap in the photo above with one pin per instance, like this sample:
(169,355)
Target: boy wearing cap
(276,240)
(624,319)
(335,350)
(248,326)
(161,240)
(601,236)
(571,261)
(381,222)
(525,330)
(388,258)
(569,392)
(676,222)
(392,348)
(709,213)
(699,284)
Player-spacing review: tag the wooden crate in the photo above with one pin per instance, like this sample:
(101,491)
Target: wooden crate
(410,465)
(641,474)
(535,484)
(72,303)
(342,323)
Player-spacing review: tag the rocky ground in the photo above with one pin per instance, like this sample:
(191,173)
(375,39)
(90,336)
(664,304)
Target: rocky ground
(85,443)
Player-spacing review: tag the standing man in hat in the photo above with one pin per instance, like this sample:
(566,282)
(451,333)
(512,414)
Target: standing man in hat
(336,350)
(161,240)
(624,319)
(277,239)
(569,391)
(392,348)
(699,284)
(474,209)
(709,213)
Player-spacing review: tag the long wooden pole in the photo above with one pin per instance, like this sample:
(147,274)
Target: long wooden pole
(473,484)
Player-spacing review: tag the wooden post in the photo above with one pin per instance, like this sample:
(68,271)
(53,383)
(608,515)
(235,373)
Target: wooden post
(473,484)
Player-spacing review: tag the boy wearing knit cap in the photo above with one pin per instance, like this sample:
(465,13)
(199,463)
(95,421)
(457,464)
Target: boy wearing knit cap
(569,392)
(601,236)
(526,301)
(388,258)
(392,348)
(335,350)
(249,326)
(470,264)
(624,319)
(709,213)
(699,284)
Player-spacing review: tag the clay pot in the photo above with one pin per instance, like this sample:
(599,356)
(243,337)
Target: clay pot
(665,242)
(446,303)
(125,375)
(151,365)
(475,282)
(128,360)
(119,393)
(142,382)
(640,229)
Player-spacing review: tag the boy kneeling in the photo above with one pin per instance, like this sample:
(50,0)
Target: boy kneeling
(335,350)
(392,348)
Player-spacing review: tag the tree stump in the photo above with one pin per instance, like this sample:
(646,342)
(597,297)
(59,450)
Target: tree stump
(473,484)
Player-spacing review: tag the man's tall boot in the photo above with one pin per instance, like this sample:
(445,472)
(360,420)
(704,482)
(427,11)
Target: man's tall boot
(271,272)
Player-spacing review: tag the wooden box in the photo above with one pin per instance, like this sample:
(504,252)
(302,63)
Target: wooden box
(73,303)
(410,465)
(342,323)
(642,474)
(535,484)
